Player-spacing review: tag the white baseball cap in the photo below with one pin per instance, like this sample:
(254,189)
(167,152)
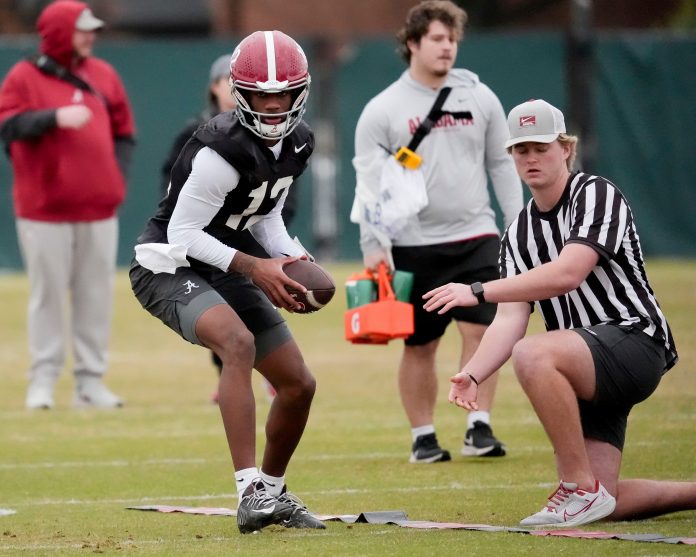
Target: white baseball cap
(87,22)
(536,121)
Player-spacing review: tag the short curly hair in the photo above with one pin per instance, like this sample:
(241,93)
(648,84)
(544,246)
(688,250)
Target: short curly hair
(421,15)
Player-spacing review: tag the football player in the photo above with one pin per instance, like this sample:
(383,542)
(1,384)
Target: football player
(233,175)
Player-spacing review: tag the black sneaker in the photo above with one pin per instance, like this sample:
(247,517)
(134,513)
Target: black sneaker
(300,517)
(426,449)
(258,509)
(480,441)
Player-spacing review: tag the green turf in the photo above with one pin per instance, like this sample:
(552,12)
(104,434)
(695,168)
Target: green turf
(71,474)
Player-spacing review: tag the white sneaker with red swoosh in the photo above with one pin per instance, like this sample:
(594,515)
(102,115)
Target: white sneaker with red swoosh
(570,506)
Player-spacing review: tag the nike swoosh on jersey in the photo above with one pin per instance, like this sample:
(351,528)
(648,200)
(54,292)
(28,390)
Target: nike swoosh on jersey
(298,149)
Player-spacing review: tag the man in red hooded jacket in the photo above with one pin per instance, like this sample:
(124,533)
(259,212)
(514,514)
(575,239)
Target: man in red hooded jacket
(67,122)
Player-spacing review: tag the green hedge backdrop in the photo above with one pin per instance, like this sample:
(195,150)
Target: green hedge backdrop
(643,95)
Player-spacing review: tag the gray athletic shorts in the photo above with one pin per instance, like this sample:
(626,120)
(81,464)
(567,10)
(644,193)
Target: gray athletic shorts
(628,367)
(432,266)
(179,299)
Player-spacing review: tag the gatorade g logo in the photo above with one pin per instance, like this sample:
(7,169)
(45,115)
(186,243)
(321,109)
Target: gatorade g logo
(355,323)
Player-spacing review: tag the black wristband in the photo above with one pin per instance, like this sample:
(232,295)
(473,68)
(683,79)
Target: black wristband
(473,379)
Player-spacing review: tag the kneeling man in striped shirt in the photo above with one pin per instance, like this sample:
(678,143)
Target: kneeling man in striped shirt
(573,253)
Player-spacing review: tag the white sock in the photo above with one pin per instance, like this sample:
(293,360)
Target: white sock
(274,484)
(422,430)
(478,416)
(244,478)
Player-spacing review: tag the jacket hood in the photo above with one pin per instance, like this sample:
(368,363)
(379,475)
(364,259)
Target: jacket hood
(56,26)
(457,77)
(462,78)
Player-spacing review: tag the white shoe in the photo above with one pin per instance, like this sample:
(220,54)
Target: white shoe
(570,506)
(91,392)
(40,394)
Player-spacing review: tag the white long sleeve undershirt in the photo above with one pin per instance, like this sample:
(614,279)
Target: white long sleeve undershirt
(200,199)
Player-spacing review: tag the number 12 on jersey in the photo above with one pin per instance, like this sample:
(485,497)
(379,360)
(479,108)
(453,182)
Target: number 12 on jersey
(257,196)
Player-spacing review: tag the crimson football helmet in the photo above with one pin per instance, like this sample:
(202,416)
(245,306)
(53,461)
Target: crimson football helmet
(269,62)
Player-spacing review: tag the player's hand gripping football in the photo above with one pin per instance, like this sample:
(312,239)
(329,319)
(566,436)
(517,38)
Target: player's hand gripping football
(463,391)
(448,296)
(269,276)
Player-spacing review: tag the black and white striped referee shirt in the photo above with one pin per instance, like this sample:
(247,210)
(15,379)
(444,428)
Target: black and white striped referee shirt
(592,211)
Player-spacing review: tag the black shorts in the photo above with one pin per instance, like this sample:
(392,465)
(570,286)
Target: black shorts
(628,367)
(179,299)
(432,266)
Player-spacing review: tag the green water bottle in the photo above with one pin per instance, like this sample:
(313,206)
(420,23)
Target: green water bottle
(360,292)
(402,283)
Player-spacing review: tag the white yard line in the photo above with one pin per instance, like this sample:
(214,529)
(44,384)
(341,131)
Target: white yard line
(167,499)
(197,461)
(108,463)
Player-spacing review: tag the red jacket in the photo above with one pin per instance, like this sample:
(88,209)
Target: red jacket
(66,175)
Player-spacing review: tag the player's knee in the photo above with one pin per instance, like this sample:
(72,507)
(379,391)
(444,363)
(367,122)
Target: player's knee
(309,387)
(526,356)
(300,389)
(421,352)
(237,349)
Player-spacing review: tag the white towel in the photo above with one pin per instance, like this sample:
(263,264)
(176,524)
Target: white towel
(161,258)
(393,204)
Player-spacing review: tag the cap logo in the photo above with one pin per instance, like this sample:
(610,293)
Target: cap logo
(527,121)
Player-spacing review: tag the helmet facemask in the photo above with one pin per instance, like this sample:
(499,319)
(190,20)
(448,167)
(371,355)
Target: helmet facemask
(269,62)
(254,120)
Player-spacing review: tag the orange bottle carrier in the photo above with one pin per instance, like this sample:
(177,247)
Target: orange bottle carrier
(379,318)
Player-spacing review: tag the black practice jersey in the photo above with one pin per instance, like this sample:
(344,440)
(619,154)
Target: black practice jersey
(263,178)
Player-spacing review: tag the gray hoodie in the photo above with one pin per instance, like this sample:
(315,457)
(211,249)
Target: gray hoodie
(458,157)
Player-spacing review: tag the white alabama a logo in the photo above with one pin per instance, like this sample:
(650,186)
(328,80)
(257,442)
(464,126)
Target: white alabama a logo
(189,286)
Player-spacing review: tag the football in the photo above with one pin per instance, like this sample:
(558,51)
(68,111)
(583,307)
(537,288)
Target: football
(319,284)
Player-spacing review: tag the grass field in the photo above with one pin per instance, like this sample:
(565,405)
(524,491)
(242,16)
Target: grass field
(71,474)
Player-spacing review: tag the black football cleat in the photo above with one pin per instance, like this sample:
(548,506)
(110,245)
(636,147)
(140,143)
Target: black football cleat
(258,509)
(300,517)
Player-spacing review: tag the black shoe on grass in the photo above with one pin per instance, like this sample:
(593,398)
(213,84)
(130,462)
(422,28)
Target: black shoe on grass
(480,441)
(426,450)
(258,509)
(300,517)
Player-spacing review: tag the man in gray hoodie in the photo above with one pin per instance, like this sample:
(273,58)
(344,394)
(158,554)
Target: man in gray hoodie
(455,235)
